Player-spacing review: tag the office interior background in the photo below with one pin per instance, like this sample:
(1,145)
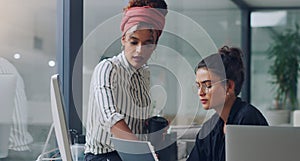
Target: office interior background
(38,41)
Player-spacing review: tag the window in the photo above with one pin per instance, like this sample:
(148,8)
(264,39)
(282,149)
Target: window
(262,91)
(28,42)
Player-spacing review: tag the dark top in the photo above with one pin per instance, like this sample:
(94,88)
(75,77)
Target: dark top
(210,141)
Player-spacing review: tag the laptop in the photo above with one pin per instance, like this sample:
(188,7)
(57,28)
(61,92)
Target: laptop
(130,150)
(262,143)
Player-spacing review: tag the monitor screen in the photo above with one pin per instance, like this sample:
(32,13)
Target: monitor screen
(58,115)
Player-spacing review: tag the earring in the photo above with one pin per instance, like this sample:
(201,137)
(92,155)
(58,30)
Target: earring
(122,47)
(227,94)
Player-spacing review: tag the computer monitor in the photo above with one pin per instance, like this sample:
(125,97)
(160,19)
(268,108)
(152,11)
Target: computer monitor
(7,97)
(60,125)
(262,143)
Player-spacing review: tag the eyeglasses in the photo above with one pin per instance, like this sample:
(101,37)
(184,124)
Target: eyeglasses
(205,86)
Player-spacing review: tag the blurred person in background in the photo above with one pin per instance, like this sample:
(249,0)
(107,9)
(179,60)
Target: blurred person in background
(20,138)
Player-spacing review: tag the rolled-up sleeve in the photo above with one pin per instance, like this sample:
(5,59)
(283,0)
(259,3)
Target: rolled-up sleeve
(103,83)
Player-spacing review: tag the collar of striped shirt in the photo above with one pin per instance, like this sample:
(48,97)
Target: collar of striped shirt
(141,71)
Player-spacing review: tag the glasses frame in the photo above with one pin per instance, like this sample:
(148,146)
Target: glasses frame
(201,86)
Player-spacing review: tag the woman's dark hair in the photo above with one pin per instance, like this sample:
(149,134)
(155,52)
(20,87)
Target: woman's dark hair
(159,4)
(232,62)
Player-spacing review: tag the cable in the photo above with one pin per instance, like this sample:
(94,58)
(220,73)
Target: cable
(48,138)
(41,156)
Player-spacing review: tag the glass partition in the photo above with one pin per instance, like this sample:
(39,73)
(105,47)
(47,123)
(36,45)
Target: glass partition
(28,47)
(262,90)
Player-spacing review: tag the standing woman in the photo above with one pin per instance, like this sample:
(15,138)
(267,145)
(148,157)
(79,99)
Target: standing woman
(219,78)
(119,101)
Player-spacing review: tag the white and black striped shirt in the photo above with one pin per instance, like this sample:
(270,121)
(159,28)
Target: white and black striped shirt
(19,138)
(117,91)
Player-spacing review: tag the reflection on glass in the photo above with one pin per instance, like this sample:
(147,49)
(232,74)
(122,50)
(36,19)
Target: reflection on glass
(21,24)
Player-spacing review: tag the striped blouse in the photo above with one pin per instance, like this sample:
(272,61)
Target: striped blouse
(19,138)
(117,91)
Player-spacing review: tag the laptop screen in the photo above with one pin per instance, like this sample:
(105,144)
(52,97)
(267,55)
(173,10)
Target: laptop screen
(262,143)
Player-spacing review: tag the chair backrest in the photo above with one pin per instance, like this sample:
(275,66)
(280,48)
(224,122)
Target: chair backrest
(60,124)
(296,118)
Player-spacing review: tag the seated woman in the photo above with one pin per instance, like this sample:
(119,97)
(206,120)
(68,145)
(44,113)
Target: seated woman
(219,79)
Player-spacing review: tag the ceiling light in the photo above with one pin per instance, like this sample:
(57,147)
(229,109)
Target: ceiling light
(51,63)
(17,56)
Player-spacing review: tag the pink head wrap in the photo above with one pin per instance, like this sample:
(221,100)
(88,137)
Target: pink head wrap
(135,15)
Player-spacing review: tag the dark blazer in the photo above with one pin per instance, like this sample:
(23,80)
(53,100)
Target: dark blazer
(210,141)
